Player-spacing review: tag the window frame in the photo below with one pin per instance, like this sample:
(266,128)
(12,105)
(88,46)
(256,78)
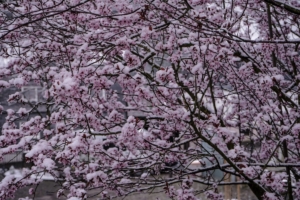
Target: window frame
(30,88)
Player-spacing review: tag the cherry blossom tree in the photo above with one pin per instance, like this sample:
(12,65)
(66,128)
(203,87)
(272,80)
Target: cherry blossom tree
(221,76)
